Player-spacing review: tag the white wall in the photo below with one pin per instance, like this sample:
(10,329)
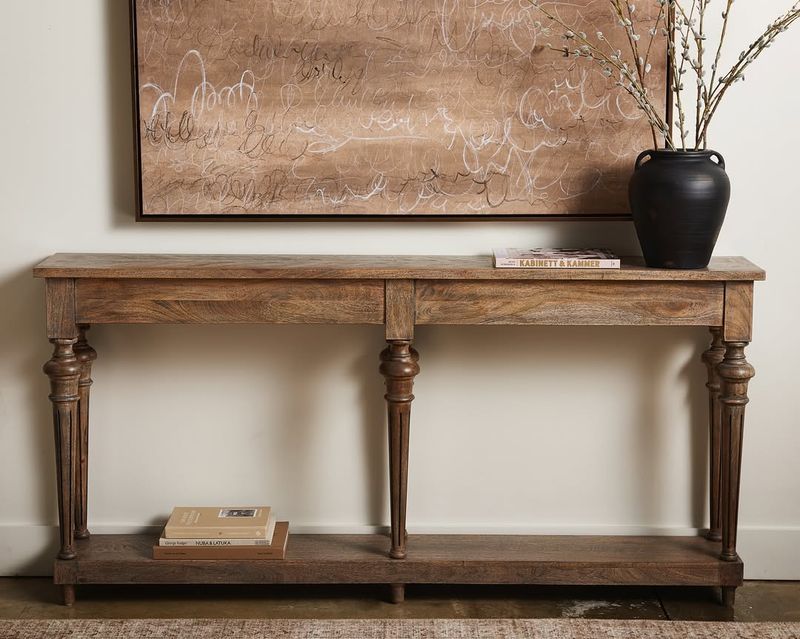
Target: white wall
(590,428)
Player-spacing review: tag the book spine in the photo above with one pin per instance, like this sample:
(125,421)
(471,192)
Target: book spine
(276,551)
(212,542)
(195,532)
(508,262)
(223,552)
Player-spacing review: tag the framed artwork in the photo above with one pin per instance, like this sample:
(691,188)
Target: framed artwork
(347,109)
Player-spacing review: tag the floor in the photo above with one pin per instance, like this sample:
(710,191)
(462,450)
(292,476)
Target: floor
(755,601)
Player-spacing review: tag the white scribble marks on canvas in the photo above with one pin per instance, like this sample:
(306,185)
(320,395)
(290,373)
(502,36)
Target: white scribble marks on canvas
(414,107)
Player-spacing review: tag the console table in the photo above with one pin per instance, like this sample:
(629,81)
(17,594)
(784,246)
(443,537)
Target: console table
(400,293)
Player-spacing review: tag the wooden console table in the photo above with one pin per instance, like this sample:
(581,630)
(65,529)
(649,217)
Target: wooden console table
(400,293)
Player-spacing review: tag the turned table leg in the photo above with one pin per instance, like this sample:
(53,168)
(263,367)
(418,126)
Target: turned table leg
(735,372)
(712,358)
(85,355)
(399,366)
(64,372)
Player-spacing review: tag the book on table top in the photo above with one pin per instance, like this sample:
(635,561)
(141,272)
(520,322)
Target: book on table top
(555,258)
(224,541)
(277,550)
(239,522)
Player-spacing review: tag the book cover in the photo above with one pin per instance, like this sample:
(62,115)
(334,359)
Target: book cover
(224,541)
(555,258)
(248,522)
(277,550)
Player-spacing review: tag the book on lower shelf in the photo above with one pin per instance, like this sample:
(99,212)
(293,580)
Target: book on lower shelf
(228,522)
(266,540)
(544,258)
(275,550)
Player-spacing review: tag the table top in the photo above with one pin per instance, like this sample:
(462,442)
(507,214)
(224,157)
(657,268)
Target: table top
(432,267)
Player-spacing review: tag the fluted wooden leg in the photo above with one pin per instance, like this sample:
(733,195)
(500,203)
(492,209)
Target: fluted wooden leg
(712,358)
(735,372)
(85,355)
(64,372)
(399,366)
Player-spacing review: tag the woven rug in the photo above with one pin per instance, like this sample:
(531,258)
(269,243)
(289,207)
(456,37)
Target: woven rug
(391,629)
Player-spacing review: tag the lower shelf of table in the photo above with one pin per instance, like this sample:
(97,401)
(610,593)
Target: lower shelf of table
(432,559)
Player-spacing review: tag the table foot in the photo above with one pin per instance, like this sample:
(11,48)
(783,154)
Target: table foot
(68,594)
(398,593)
(728,596)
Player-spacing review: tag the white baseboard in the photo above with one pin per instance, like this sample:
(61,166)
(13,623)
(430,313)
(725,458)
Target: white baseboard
(768,553)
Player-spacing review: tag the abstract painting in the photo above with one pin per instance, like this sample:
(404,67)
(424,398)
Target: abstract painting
(379,108)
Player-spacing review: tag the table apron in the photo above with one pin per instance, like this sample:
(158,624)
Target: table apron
(230,301)
(572,302)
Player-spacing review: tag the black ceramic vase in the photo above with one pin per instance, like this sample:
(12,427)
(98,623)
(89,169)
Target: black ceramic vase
(679,200)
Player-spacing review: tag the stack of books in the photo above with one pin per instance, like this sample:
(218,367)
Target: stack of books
(555,258)
(249,532)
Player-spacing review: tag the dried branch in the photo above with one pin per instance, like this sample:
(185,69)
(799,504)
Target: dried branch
(686,47)
(632,83)
(746,58)
(702,96)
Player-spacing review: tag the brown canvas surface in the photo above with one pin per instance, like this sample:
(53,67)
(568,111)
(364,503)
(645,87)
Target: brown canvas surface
(413,108)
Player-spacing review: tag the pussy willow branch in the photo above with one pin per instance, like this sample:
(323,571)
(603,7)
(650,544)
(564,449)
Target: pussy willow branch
(685,29)
(653,33)
(718,57)
(681,31)
(701,98)
(677,85)
(627,81)
(627,22)
(657,124)
(746,58)
(630,83)
(715,67)
(680,26)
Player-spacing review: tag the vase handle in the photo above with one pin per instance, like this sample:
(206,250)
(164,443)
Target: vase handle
(641,158)
(719,157)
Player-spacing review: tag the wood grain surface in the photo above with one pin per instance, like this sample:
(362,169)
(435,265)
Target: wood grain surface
(399,292)
(414,108)
(60,302)
(400,313)
(738,312)
(225,302)
(439,267)
(485,559)
(562,303)
(85,355)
